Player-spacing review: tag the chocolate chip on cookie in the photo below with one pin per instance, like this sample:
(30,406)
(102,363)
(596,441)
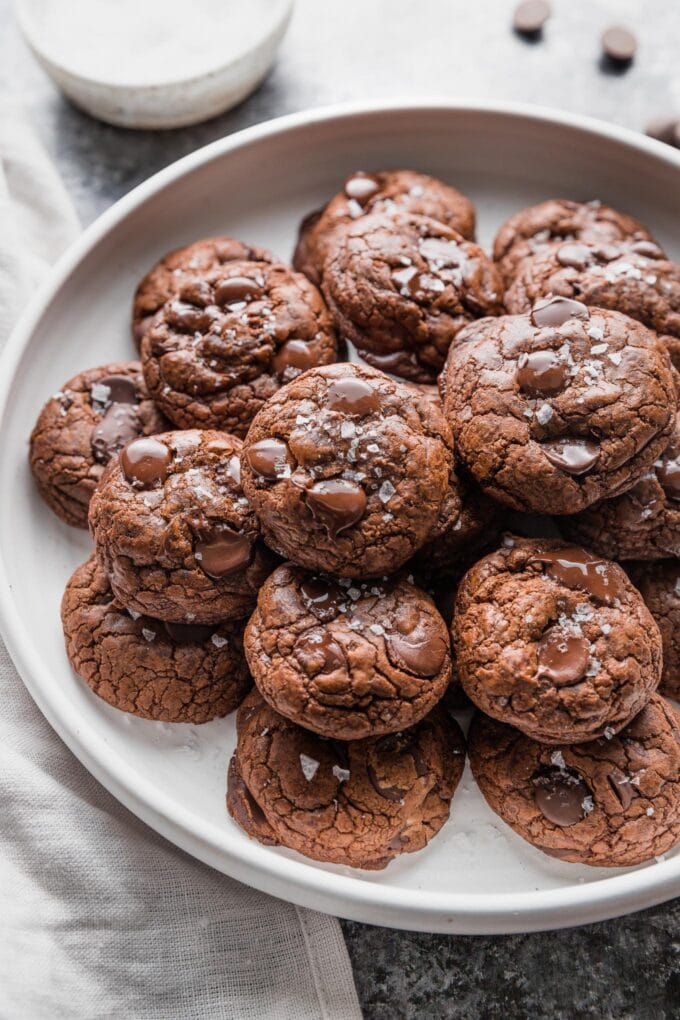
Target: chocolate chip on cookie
(659,585)
(560,407)
(359,803)
(230,339)
(559,219)
(174,530)
(81,427)
(167,277)
(610,803)
(401,287)
(554,641)
(346,471)
(169,671)
(347,659)
(388,192)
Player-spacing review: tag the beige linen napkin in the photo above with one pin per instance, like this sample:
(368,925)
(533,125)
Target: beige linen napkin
(99,915)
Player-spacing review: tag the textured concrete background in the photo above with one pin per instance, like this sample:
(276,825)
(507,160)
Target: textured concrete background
(360,49)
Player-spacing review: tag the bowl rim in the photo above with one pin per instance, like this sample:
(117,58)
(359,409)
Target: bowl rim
(273,24)
(293,878)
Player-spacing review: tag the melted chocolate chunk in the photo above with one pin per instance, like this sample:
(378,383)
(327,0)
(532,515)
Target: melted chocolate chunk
(237,289)
(540,373)
(562,657)
(188,318)
(668,472)
(561,794)
(145,462)
(270,459)
(353,396)
(580,571)
(337,504)
(294,354)
(575,456)
(221,551)
(188,633)
(622,788)
(421,652)
(555,311)
(393,793)
(120,423)
(322,597)
(122,390)
(318,652)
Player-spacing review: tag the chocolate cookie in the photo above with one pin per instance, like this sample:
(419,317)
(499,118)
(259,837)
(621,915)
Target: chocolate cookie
(401,287)
(359,803)
(347,659)
(643,523)
(554,641)
(174,531)
(608,803)
(225,344)
(168,671)
(559,219)
(347,471)
(659,585)
(388,192)
(634,278)
(558,408)
(81,427)
(166,278)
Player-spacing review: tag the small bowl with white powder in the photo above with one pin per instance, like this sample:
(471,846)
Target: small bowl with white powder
(154,63)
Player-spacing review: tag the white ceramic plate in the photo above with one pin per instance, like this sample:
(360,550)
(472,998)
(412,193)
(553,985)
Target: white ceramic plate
(476,876)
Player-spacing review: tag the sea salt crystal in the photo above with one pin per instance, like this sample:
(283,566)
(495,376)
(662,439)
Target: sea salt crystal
(219,641)
(373,448)
(599,348)
(377,628)
(386,491)
(342,775)
(615,358)
(544,414)
(606,628)
(595,333)
(100,393)
(588,805)
(557,758)
(609,732)
(347,429)
(149,635)
(309,767)
(649,812)
(354,594)
(133,614)
(528,413)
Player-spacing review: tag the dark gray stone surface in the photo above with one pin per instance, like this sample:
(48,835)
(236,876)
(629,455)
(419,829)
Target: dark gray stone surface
(360,49)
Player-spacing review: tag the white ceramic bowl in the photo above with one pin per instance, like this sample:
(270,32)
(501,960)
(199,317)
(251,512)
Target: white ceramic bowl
(174,100)
(477,875)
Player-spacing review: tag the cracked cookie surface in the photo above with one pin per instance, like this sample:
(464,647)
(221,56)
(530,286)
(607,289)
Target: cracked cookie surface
(347,659)
(659,585)
(81,427)
(347,471)
(230,339)
(559,219)
(175,532)
(608,803)
(560,407)
(164,280)
(641,524)
(402,287)
(554,641)
(359,803)
(169,672)
(388,192)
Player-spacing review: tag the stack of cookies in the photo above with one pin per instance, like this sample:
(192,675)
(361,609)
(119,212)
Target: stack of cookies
(338,532)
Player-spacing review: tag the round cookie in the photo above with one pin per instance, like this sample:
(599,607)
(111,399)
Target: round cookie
(559,219)
(359,803)
(388,192)
(347,471)
(81,427)
(659,585)
(165,279)
(226,343)
(172,672)
(634,278)
(174,531)
(558,408)
(402,287)
(554,641)
(347,659)
(641,524)
(608,803)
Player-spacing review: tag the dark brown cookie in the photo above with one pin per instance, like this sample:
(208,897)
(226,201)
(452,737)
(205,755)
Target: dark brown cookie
(347,659)
(387,192)
(659,585)
(401,287)
(245,810)
(634,278)
(166,278)
(229,339)
(347,471)
(554,641)
(81,427)
(559,219)
(641,524)
(175,532)
(558,408)
(168,671)
(359,803)
(608,803)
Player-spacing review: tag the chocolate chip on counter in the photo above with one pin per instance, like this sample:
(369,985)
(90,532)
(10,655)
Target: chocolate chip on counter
(530,17)
(618,45)
(665,129)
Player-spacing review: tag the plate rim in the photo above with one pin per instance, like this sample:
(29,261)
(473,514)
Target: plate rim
(297,880)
